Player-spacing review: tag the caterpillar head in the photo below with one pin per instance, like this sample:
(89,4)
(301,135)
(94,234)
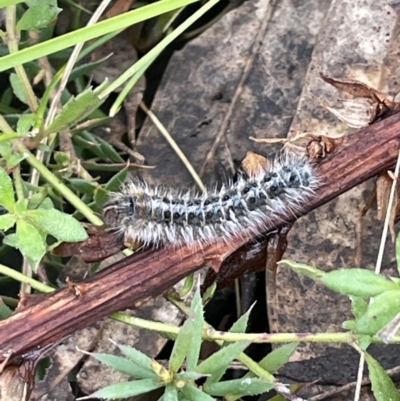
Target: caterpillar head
(118,209)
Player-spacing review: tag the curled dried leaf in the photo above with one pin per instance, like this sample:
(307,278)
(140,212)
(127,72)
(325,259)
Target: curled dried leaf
(319,147)
(356,113)
(368,106)
(277,244)
(356,88)
(253,162)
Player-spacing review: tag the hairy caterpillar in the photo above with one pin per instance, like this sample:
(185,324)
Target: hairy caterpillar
(162,216)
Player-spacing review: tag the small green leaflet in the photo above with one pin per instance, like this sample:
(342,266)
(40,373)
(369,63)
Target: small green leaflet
(77,108)
(358,282)
(7,198)
(58,224)
(39,15)
(382,386)
(30,242)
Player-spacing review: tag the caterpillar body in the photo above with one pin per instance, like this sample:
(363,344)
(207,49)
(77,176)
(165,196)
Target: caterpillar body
(158,216)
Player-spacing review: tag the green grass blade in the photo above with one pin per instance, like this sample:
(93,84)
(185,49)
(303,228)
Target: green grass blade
(90,32)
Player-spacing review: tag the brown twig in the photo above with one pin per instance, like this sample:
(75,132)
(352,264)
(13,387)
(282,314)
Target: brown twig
(353,160)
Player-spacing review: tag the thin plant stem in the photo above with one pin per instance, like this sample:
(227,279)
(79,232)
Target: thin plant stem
(387,217)
(18,185)
(70,65)
(60,187)
(27,272)
(8,136)
(12,43)
(26,266)
(22,278)
(275,338)
(173,145)
(360,372)
(5,127)
(378,266)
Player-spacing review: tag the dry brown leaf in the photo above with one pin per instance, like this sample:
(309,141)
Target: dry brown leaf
(355,88)
(253,162)
(368,106)
(98,246)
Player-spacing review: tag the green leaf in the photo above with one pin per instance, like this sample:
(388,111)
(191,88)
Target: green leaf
(124,365)
(209,293)
(62,158)
(15,159)
(136,356)
(85,69)
(7,221)
(181,346)
(382,386)
(170,393)
(273,361)
(25,123)
(21,206)
(10,240)
(125,390)
(358,306)
(85,140)
(358,282)
(187,287)
(46,204)
(60,225)
(188,376)
(5,3)
(380,312)
(239,326)
(37,201)
(100,196)
(218,362)
(109,151)
(38,16)
(5,311)
(349,325)
(5,149)
(194,394)
(30,242)
(278,357)
(18,88)
(115,183)
(305,270)
(77,108)
(82,186)
(90,32)
(364,341)
(247,386)
(196,314)
(7,198)
(188,342)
